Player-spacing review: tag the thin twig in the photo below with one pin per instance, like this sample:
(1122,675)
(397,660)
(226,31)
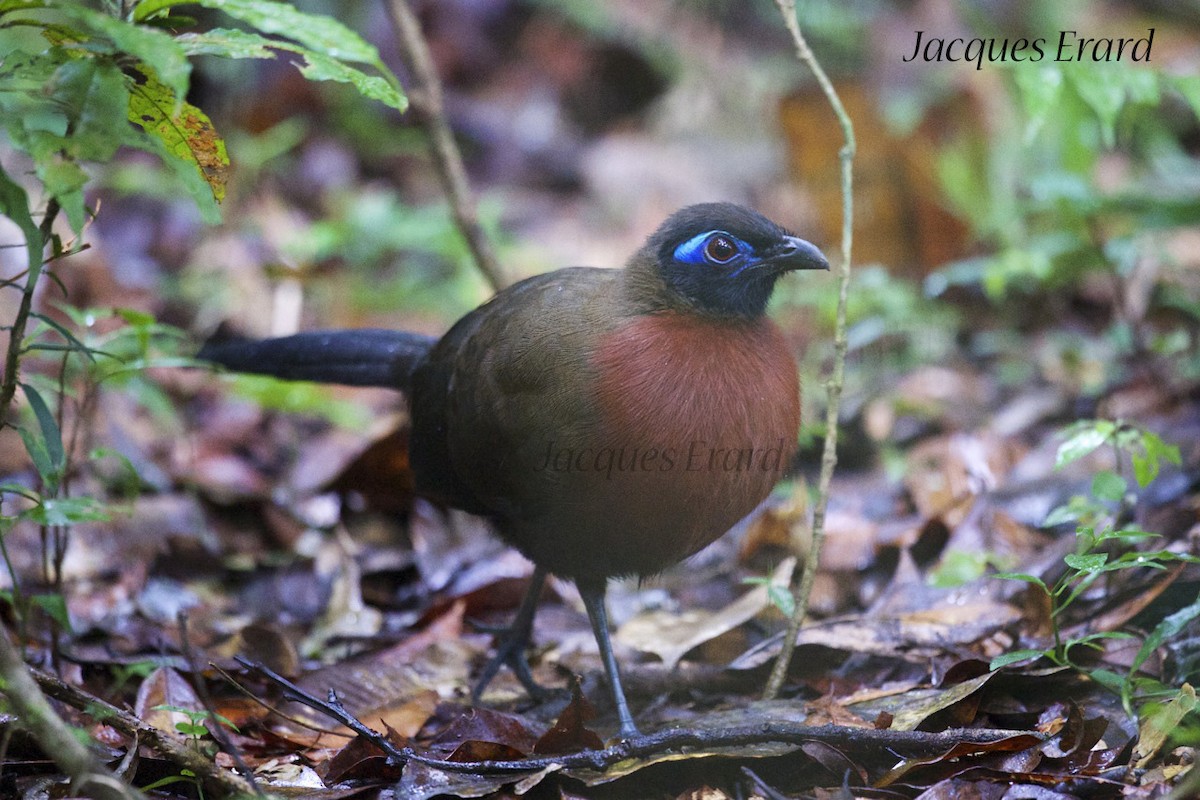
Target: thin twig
(837,376)
(905,744)
(428,107)
(220,781)
(214,721)
(88,777)
(271,709)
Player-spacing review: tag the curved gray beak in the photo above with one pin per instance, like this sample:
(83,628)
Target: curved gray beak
(796,253)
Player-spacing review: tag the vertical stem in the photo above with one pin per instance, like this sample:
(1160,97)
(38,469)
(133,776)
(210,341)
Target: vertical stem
(12,357)
(837,375)
(429,109)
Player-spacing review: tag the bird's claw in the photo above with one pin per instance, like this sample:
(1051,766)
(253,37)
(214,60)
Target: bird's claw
(510,650)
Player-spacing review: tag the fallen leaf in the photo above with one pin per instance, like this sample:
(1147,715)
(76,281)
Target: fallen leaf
(670,635)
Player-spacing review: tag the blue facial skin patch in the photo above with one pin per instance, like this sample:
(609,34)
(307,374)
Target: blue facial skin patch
(692,251)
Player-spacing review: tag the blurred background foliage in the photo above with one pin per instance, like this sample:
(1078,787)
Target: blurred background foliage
(1040,218)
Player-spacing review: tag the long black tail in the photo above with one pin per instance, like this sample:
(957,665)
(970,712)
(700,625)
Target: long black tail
(362,357)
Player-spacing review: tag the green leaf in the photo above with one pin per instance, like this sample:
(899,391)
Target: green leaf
(782,598)
(18,489)
(1189,87)
(184,776)
(1082,440)
(320,33)
(68,511)
(1039,89)
(36,447)
(1086,562)
(1108,485)
(1020,576)
(72,341)
(14,204)
(1109,680)
(158,50)
(1159,449)
(1169,628)
(191,729)
(1089,639)
(138,319)
(1125,534)
(20,5)
(55,605)
(186,142)
(317,66)
(958,567)
(1013,657)
(298,397)
(101,126)
(50,458)
(323,68)
(1103,90)
(227,43)
(1146,463)
(64,180)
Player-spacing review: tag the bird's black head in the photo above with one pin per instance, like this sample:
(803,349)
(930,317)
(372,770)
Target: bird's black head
(723,259)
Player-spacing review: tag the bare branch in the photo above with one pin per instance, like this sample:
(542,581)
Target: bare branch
(220,781)
(88,777)
(837,377)
(906,744)
(427,106)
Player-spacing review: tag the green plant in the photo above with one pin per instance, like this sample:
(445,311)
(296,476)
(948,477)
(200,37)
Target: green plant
(1035,190)
(195,727)
(1105,544)
(78,82)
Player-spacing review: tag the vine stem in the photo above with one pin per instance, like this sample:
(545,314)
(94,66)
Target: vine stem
(833,387)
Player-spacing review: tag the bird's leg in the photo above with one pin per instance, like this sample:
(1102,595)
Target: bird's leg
(593,600)
(511,648)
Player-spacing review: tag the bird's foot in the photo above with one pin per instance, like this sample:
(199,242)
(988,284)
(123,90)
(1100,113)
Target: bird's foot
(510,650)
(628,731)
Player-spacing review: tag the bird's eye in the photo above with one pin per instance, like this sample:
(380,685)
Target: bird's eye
(720,250)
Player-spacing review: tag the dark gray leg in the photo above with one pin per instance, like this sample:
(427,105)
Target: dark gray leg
(593,600)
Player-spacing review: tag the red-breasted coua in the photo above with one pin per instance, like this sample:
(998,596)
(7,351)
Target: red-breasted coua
(608,422)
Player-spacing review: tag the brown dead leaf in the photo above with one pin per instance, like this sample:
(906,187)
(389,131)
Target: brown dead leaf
(781,526)
(952,398)
(166,687)
(1154,729)
(282,775)
(912,708)
(956,789)
(703,793)
(948,624)
(670,635)
(486,725)
(400,686)
(361,759)
(957,755)
(345,615)
(570,733)
(944,472)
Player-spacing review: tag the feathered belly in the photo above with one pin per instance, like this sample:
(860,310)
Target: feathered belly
(697,422)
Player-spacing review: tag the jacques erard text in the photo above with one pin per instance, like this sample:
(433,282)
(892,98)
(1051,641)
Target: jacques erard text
(1068,46)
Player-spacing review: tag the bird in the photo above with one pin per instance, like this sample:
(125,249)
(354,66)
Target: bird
(608,422)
